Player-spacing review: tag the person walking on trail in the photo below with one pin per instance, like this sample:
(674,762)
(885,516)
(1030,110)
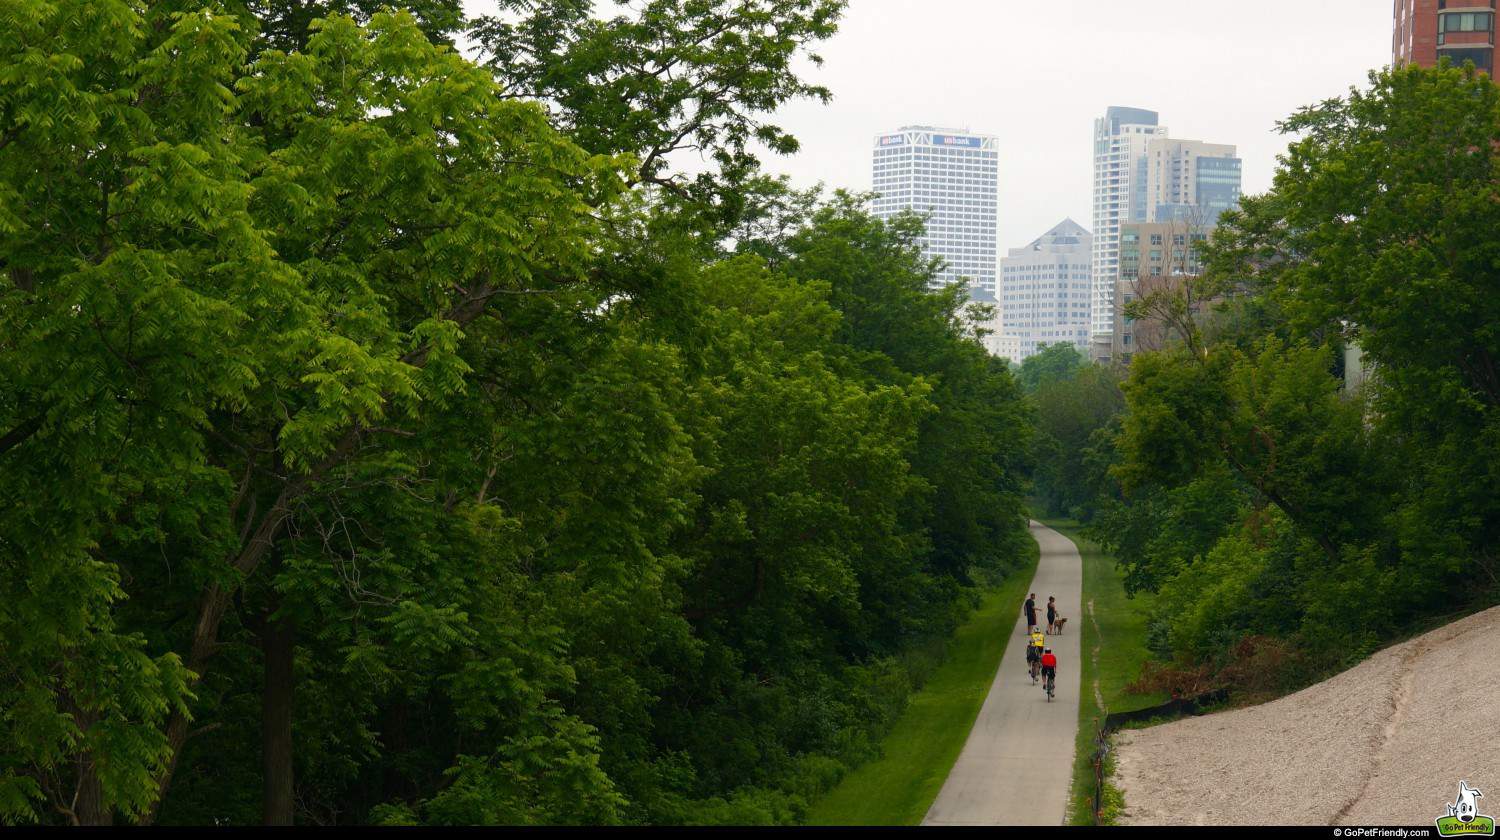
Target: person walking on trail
(1030,613)
(1051,613)
(1034,647)
(1049,669)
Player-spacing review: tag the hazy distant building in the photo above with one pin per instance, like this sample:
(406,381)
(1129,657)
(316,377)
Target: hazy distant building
(1425,31)
(1046,287)
(1006,347)
(951,176)
(995,339)
(1190,180)
(1120,166)
(1154,257)
(1142,176)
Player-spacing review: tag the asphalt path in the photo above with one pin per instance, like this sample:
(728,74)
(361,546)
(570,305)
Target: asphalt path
(1017,763)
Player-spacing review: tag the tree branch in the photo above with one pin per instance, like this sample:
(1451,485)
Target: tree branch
(18,435)
(216,599)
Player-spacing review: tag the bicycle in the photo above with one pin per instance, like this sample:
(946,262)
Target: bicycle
(1051,683)
(1036,667)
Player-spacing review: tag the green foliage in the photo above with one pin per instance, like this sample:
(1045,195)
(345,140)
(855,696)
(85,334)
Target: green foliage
(1050,364)
(1249,487)
(897,330)
(313,331)
(1071,413)
(286,25)
(666,75)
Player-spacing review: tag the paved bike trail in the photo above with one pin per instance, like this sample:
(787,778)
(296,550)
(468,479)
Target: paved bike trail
(1016,766)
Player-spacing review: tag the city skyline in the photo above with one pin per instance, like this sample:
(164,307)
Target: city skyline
(887,67)
(1228,83)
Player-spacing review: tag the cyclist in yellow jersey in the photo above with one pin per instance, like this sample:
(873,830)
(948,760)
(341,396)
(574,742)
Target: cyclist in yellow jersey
(1034,645)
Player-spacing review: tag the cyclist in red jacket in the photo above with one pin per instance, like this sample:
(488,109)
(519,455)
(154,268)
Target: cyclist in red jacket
(1049,669)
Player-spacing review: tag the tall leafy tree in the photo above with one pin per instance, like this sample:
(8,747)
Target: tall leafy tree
(205,326)
(665,78)
(975,450)
(373,453)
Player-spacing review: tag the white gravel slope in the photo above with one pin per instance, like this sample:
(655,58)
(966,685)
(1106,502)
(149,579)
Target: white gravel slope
(1385,742)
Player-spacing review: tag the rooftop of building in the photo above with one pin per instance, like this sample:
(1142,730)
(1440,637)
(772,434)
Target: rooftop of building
(936,129)
(1123,115)
(1065,233)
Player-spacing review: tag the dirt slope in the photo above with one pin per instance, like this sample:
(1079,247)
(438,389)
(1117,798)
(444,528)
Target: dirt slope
(1385,742)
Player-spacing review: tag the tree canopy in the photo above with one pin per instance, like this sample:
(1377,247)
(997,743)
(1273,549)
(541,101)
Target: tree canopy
(1058,362)
(379,446)
(1250,485)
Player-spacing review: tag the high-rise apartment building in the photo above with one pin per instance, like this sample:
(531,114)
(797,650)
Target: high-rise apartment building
(1046,288)
(1120,167)
(1190,180)
(1425,31)
(950,176)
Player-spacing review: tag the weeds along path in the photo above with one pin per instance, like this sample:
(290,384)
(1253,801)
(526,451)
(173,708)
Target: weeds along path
(1094,655)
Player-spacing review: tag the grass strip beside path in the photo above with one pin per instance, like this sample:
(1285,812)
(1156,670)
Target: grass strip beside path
(899,787)
(1117,628)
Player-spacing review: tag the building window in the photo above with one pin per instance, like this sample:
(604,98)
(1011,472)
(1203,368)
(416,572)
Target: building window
(1466,22)
(1483,58)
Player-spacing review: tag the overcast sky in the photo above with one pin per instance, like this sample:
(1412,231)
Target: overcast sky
(1036,74)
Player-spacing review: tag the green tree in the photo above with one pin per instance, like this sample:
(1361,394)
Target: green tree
(1069,413)
(373,453)
(1378,231)
(286,25)
(205,327)
(975,451)
(665,76)
(1058,362)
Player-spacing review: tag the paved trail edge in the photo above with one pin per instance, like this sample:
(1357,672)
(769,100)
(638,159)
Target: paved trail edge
(1017,764)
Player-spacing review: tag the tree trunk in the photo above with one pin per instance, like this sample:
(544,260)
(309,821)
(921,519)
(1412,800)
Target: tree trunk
(215,599)
(89,808)
(278,643)
(393,738)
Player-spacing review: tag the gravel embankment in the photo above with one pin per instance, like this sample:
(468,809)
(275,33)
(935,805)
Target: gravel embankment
(1385,743)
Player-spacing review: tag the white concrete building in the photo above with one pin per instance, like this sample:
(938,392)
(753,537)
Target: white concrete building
(1046,289)
(951,176)
(1007,347)
(1121,137)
